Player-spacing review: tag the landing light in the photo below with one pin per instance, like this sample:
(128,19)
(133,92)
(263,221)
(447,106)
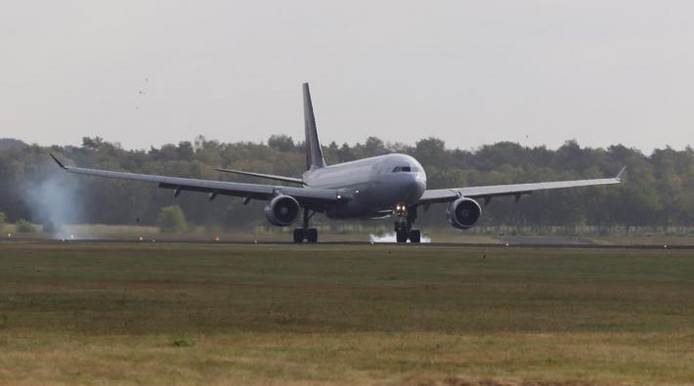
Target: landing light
(400,209)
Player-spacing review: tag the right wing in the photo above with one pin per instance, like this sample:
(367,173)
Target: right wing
(251,191)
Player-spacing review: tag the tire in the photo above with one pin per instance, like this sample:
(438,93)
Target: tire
(401,237)
(415,236)
(299,235)
(312,235)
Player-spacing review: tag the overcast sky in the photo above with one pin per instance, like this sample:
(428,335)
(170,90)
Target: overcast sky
(146,73)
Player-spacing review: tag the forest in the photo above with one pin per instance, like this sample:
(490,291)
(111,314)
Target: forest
(657,190)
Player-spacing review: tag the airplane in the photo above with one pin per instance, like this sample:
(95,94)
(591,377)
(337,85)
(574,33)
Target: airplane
(390,185)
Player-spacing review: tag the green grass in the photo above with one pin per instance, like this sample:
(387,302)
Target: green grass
(155,313)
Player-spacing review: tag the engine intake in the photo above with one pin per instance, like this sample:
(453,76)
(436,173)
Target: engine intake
(282,210)
(463,213)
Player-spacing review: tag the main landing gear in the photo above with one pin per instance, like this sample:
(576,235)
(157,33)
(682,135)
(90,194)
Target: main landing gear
(404,223)
(306,233)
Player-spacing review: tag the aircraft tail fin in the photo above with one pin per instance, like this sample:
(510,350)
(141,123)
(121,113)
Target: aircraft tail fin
(314,153)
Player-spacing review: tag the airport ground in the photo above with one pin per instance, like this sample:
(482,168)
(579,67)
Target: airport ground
(379,232)
(217,314)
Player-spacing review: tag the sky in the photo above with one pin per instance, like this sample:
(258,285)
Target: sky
(539,72)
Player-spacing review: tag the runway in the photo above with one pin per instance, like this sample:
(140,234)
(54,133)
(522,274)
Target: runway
(514,242)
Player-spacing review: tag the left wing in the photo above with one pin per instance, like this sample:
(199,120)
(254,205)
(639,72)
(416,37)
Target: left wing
(214,188)
(487,192)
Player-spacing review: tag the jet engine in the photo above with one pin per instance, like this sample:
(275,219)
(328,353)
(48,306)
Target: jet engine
(282,210)
(463,213)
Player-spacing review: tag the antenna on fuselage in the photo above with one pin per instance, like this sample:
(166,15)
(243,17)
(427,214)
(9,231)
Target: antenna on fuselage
(314,153)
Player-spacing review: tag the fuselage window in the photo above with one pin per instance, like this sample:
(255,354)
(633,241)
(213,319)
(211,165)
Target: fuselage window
(405,169)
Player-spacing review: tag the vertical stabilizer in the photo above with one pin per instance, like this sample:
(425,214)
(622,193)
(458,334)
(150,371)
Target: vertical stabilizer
(314,153)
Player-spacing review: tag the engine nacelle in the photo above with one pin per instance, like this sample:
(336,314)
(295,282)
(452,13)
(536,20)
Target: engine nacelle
(282,210)
(463,213)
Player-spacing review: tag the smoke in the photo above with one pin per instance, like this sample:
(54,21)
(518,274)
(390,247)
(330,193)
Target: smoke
(390,238)
(54,202)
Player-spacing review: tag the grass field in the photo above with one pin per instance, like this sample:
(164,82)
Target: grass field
(210,314)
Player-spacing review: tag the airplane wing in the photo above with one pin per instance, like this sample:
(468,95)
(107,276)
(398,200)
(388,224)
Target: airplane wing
(214,188)
(487,192)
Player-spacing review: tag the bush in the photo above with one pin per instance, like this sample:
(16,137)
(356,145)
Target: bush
(24,226)
(172,220)
(2,221)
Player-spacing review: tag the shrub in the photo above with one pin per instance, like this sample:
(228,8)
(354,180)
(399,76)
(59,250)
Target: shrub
(24,226)
(172,219)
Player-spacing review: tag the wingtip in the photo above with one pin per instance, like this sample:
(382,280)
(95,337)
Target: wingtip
(57,161)
(621,174)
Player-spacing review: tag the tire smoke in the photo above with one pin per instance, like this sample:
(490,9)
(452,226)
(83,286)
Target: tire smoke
(54,202)
(390,238)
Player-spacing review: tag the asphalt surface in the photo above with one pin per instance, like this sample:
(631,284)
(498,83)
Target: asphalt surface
(515,242)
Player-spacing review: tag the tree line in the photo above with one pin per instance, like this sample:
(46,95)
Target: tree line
(658,189)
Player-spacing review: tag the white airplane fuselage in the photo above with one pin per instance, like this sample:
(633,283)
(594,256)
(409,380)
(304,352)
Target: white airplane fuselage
(375,185)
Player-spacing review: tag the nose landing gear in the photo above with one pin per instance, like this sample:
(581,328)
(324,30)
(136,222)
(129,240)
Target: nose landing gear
(404,232)
(403,225)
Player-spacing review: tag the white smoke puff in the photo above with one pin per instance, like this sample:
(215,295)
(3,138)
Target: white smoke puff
(54,199)
(390,238)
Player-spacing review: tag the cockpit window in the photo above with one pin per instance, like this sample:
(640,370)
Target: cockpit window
(405,169)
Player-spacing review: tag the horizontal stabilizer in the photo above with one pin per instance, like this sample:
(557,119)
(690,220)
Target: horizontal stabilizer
(261,175)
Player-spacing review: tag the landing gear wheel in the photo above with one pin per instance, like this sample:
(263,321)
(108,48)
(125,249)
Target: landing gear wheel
(306,233)
(401,236)
(415,236)
(299,235)
(401,231)
(312,235)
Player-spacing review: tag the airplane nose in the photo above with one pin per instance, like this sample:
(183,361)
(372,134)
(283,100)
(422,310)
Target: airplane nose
(420,187)
(414,187)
